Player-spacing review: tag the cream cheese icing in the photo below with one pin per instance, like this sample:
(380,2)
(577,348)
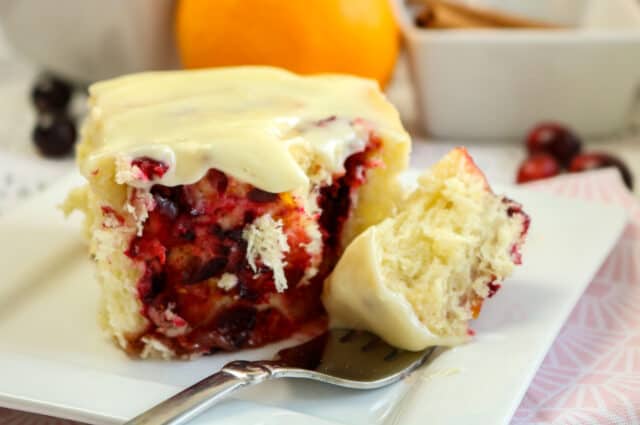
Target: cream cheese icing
(196,120)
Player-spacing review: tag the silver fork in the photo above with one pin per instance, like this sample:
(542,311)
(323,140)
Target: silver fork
(346,358)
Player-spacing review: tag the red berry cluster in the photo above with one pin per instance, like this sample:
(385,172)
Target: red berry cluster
(554,148)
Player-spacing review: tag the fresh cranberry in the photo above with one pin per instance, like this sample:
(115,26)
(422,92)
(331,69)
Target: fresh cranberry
(54,135)
(590,161)
(554,139)
(50,94)
(539,166)
(150,167)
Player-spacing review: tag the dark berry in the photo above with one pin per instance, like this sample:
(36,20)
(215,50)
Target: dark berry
(539,166)
(590,161)
(51,94)
(245,291)
(158,283)
(218,180)
(166,206)
(54,136)
(236,325)
(260,196)
(209,269)
(493,288)
(234,235)
(249,216)
(188,235)
(554,139)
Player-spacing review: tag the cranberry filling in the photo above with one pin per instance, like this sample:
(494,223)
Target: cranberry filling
(493,288)
(516,209)
(513,209)
(111,213)
(194,236)
(150,168)
(335,200)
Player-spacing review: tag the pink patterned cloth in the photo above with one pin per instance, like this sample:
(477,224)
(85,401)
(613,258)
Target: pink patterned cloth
(591,375)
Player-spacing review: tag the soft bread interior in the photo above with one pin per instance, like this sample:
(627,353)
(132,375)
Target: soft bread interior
(437,256)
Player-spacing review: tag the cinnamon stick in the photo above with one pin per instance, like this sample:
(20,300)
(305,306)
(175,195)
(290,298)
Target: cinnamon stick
(441,14)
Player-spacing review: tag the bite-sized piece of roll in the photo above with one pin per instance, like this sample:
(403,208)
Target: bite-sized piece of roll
(417,278)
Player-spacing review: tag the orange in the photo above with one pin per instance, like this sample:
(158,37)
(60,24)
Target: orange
(306,36)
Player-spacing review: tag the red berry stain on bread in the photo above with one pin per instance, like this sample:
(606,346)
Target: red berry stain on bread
(194,236)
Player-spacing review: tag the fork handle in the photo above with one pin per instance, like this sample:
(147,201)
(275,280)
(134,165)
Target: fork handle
(187,404)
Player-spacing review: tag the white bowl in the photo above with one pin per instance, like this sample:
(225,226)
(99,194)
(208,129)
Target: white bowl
(497,84)
(89,40)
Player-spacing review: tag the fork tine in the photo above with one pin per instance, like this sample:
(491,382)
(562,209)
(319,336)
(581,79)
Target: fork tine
(330,357)
(373,341)
(347,336)
(392,355)
(355,359)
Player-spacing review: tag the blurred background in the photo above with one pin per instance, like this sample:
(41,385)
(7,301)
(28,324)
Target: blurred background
(535,88)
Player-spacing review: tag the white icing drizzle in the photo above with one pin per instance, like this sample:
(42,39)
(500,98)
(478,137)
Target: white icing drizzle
(243,121)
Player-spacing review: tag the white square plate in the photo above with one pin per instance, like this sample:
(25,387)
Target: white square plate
(54,359)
